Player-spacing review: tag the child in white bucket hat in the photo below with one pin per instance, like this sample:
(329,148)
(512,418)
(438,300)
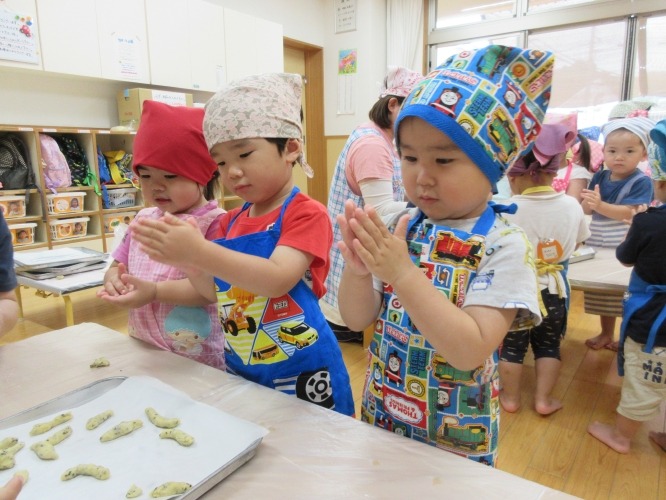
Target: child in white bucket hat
(612,196)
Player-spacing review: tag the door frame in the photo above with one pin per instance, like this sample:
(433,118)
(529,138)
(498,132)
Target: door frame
(314,116)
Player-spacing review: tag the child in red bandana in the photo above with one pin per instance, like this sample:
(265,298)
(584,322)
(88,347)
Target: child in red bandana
(178,176)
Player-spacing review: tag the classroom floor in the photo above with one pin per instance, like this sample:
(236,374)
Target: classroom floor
(555,451)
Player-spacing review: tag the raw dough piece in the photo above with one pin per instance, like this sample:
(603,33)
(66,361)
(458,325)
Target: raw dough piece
(133,492)
(181,437)
(122,429)
(7,442)
(25,475)
(100,363)
(97,471)
(170,488)
(47,426)
(160,421)
(7,456)
(46,449)
(98,420)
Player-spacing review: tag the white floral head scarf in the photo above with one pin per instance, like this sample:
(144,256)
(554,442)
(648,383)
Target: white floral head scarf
(266,106)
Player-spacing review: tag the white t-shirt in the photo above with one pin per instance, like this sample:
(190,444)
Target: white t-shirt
(551,217)
(577,172)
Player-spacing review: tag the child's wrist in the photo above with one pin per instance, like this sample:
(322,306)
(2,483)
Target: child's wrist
(155,290)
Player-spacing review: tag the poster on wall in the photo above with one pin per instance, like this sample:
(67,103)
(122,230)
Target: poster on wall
(128,57)
(345,16)
(347,66)
(17,37)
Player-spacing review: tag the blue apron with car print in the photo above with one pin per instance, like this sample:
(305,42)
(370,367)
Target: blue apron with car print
(282,342)
(410,389)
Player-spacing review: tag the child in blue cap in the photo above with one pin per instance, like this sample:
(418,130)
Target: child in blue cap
(642,349)
(446,280)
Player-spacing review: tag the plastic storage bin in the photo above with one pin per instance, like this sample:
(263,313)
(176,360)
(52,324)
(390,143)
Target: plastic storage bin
(12,206)
(112,220)
(69,228)
(122,197)
(65,203)
(23,234)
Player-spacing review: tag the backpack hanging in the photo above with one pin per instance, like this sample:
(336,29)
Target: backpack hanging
(82,174)
(54,164)
(104,176)
(15,170)
(120,167)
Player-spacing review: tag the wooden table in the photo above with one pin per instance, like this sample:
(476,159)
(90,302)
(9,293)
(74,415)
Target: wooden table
(61,287)
(603,273)
(309,452)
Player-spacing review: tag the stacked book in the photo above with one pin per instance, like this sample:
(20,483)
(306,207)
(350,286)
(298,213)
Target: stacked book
(58,262)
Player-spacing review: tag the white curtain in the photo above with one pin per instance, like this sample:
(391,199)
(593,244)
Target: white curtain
(404,33)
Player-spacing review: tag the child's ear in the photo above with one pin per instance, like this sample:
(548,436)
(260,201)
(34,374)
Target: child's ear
(293,150)
(394,104)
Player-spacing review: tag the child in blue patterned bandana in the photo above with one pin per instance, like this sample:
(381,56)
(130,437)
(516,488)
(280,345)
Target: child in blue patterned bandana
(449,277)
(642,349)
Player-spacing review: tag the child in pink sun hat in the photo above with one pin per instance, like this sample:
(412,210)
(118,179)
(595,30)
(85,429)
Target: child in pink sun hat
(555,225)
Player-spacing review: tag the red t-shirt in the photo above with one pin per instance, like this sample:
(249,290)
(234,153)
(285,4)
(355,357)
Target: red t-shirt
(306,227)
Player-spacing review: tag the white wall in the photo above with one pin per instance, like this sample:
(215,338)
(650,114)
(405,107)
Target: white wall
(39,98)
(300,19)
(369,40)
(30,97)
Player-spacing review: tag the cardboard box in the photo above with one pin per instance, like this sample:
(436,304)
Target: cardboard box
(130,103)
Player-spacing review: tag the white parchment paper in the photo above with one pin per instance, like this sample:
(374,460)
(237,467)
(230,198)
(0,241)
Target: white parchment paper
(140,458)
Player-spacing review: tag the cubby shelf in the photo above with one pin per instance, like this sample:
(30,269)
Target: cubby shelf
(37,208)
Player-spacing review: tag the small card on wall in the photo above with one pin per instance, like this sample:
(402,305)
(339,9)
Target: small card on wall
(345,15)
(18,37)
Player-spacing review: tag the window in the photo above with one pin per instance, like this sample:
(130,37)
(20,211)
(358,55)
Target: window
(605,50)
(462,12)
(588,62)
(649,75)
(444,51)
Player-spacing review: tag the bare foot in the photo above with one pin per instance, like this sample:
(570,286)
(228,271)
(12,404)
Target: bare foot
(599,342)
(613,346)
(509,404)
(547,406)
(659,438)
(610,437)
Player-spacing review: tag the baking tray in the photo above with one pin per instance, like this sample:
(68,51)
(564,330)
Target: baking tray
(41,259)
(93,391)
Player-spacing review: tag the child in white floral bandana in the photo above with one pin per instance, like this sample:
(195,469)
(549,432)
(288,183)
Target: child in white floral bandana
(272,255)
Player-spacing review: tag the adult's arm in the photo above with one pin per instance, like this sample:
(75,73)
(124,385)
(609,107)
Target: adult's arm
(379,194)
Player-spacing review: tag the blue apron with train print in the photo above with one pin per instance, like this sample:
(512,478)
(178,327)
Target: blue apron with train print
(410,389)
(283,342)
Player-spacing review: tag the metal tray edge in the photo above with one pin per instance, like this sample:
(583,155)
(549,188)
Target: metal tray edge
(79,396)
(214,479)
